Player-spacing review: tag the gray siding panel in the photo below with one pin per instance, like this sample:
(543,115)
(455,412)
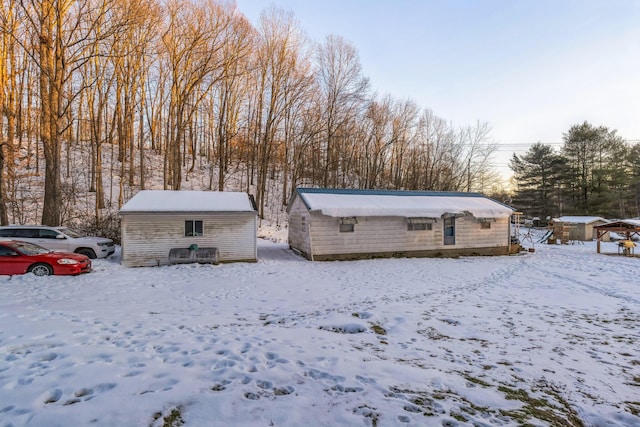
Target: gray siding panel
(389,234)
(299,220)
(148,238)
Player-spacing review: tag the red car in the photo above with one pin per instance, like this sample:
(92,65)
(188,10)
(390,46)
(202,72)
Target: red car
(18,257)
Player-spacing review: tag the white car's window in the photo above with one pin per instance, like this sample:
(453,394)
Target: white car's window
(71,233)
(48,234)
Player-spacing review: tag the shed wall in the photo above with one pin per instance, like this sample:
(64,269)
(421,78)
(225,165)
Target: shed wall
(389,236)
(584,231)
(299,237)
(148,238)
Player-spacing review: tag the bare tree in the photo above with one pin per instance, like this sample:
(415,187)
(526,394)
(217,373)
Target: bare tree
(404,131)
(280,85)
(8,83)
(66,32)
(343,91)
(476,163)
(194,45)
(229,92)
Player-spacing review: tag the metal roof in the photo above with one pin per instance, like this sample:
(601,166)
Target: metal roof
(357,202)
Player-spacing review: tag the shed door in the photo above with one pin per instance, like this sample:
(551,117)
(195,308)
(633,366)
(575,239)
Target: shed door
(450,231)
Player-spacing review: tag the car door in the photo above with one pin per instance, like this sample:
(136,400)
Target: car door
(11,262)
(52,240)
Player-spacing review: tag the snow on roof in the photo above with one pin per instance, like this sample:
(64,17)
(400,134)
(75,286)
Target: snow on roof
(632,222)
(580,219)
(188,201)
(341,203)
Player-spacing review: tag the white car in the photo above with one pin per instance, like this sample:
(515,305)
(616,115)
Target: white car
(60,239)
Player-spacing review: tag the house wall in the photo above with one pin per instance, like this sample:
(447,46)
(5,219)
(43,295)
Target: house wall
(577,231)
(592,234)
(389,236)
(584,232)
(299,238)
(148,238)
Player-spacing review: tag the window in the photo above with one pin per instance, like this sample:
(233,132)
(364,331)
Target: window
(193,228)
(5,251)
(303,223)
(419,224)
(27,233)
(485,223)
(347,224)
(346,228)
(49,234)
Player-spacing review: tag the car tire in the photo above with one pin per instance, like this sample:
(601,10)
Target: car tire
(41,269)
(88,252)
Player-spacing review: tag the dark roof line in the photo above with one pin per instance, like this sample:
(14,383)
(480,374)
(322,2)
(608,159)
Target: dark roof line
(352,191)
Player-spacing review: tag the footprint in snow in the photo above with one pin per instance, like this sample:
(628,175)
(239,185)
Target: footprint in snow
(52,396)
(283,391)
(263,384)
(82,394)
(342,389)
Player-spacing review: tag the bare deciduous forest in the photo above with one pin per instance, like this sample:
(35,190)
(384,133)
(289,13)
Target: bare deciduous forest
(100,99)
(111,97)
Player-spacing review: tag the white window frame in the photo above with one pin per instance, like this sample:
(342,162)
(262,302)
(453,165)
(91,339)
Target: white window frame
(348,224)
(194,228)
(420,224)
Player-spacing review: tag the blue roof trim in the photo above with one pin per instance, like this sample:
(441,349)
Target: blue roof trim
(355,192)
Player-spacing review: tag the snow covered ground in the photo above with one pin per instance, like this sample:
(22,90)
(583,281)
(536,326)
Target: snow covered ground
(546,338)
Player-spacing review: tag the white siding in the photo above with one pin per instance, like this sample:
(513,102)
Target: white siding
(390,234)
(299,220)
(148,238)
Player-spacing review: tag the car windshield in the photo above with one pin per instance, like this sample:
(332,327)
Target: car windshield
(29,248)
(71,233)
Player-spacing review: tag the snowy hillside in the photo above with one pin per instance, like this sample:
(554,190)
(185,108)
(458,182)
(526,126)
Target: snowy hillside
(545,338)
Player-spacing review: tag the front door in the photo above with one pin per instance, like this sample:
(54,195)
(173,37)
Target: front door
(450,231)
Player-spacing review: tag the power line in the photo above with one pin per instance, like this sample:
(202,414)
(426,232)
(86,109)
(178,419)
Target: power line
(557,143)
(520,146)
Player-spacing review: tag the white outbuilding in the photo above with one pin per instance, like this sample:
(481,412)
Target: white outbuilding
(335,224)
(155,222)
(581,227)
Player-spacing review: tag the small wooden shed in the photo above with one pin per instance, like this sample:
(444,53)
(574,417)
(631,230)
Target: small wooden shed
(582,227)
(335,224)
(153,222)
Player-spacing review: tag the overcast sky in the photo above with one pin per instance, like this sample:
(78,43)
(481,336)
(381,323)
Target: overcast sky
(529,68)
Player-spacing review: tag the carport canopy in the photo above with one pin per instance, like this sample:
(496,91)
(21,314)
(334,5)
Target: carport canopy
(627,227)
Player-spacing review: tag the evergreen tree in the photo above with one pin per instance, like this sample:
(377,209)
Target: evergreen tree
(537,175)
(593,156)
(633,205)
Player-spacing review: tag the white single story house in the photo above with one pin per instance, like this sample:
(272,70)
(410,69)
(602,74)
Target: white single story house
(336,224)
(581,227)
(153,222)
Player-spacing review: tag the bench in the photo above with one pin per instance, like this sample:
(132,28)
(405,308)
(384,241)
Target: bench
(193,254)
